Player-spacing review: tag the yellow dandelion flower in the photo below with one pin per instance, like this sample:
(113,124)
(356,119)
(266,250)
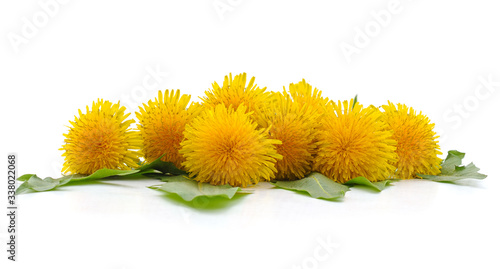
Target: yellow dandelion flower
(295,127)
(223,146)
(235,92)
(303,93)
(417,144)
(100,138)
(354,142)
(161,125)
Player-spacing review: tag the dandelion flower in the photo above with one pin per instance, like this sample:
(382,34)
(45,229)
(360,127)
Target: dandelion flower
(417,145)
(354,141)
(295,127)
(235,92)
(161,126)
(303,94)
(223,146)
(100,138)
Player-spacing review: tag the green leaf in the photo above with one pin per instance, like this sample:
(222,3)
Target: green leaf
(164,167)
(171,178)
(317,185)
(453,159)
(355,101)
(38,184)
(25,177)
(378,186)
(189,189)
(33,183)
(23,188)
(452,169)
(104,173)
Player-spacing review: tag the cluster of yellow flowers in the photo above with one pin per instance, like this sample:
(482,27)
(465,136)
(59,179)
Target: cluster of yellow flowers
(242,134)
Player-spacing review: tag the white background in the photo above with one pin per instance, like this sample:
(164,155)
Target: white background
(431,55)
